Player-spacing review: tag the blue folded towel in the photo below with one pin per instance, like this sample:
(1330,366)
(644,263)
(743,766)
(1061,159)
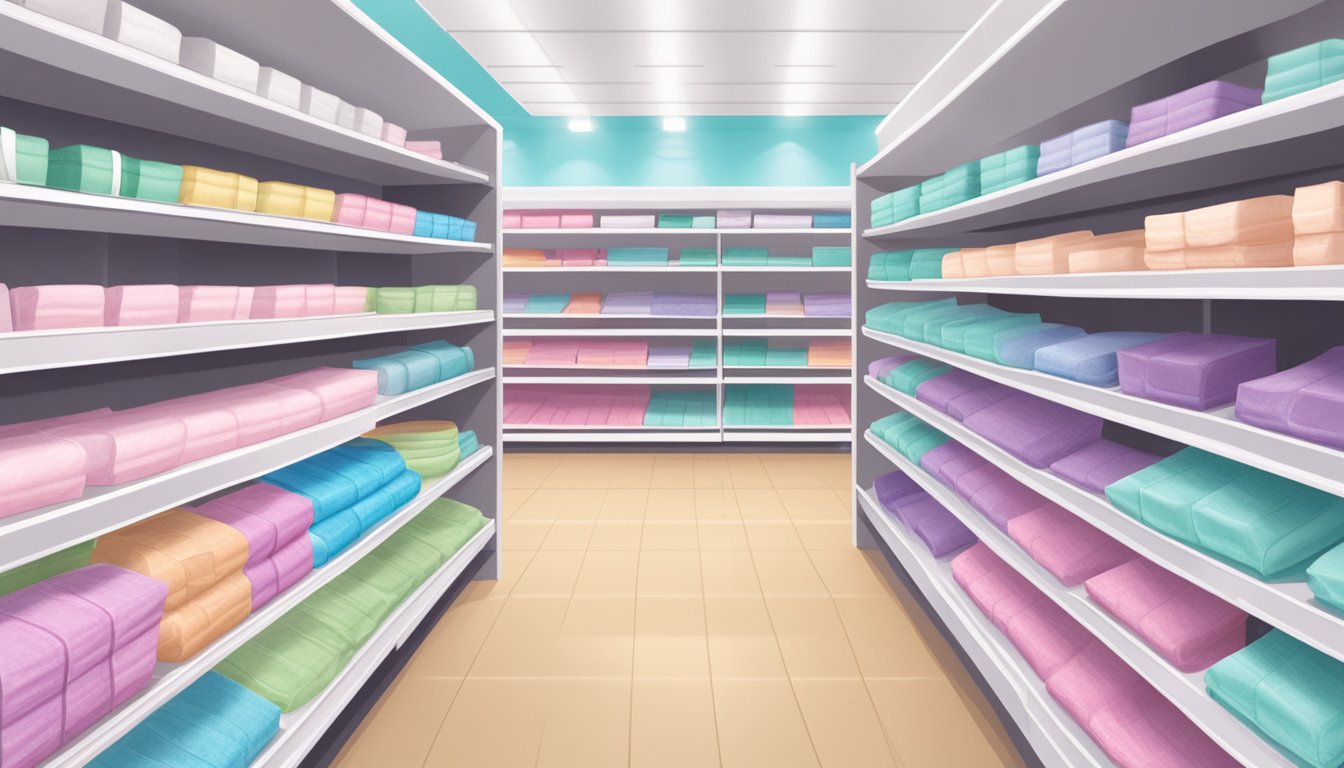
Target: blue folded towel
(1089,359)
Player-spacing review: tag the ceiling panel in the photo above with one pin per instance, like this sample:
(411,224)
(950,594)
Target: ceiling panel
(706,57)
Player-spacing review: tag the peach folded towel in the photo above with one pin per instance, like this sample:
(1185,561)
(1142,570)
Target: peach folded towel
(1319,249)
(1001,259)
(1277,254)
(829,352)
(187,551)
(1049,255)
(1319,208)
(1116,252)
(515,351)
(975,262)
(584,304)
(1253,221)
(185,632)
(953,266)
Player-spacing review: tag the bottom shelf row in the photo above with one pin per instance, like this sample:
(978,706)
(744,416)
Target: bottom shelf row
(626,406)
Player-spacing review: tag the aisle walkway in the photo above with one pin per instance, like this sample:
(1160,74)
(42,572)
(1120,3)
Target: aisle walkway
(682,611)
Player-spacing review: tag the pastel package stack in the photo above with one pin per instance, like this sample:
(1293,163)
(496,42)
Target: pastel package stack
(1318,223)
(1090,359)
(1256,232)
(23,159)
(296,201)
(429,448)
(1048,255)
(681,408)
(418,367)
(821,405)
(890,208)
(908,435)
(213,723)
(1303,69)
(351,488)
(220,63)
(1097,465)
(758,405)
(73,648)
(953,187)
(201,560)
(298,655)
(921,514)
(1266,524)
(1191,107)
(616,405)
(1303,401)
(1007,169)
(1129,719)
(1194,370)
(1081,145)
(51,307)
(275,523)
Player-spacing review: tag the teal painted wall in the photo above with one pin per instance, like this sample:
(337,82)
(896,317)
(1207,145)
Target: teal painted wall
(635,151)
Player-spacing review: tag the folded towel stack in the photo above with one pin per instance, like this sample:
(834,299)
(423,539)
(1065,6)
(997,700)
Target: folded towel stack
(1257,232)
(1193,370)
(783,303)
(213,723)
(953,187)
(922,515)
(1134,723)
(1191,107)
(1267,524)
(418,366)
(612,353)
(675,221)
(682,408)
(301,653)
(629,221)
(1318,224)
(744,304)
(23,159)
(698,257)
(297,201)
(746,257)
(733,220)
(50,461)
(832,256)
(351,488)
(758,405)
(832,221)
(910,437)
(781,221)
(1303,69)
(895,206)
(1289,691)
(201,560)
(72,648)
(615,405)
(1082,145)
(1091,359)
(1301,401)
(821,405)
(830,353)
(429,448)
(628,303)
(1097,465)
(1008,169)
(637,257)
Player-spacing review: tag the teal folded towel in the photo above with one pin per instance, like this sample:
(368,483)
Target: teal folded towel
(892,265)
(637,256)
(546,303)
(744,304)
(674,221)
(831,256)
(698,257)
(745,257)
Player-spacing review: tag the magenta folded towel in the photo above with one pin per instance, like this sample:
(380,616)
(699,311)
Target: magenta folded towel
(38,470)
(207,303)
(140,305)
(49,307)
(268,516)
(284,569)
(127,445)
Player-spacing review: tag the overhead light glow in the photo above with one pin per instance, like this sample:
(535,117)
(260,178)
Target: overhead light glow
(674,124)
(581,125)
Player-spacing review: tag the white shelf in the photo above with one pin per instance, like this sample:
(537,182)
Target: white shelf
(651,435)
(692,380)
(788,332)
(40,532)
(1217,431)
(788,380)
(671,269)
(1006,76)
(301,729)
(760,435)
(1284,284)
(788,270)
(62,63)
(1053,734)
(1185,690)
(38,350)
(677,198)
(170,679)
(1240,147)
(650,332)
(1290,606)
(46,208)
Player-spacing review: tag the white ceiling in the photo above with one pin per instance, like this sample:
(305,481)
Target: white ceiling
(707,57)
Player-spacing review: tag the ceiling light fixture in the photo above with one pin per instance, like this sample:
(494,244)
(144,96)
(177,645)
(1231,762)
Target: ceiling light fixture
(581,125)
(674,124)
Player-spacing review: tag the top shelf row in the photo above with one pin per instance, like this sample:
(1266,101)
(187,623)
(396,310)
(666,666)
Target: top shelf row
(50,62)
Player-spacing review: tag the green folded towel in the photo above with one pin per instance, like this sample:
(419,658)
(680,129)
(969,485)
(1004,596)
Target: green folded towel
(445,298)
(745,257)
(892,265)
(698,257)
(31,154)
(744,304)
(927,263)
(148,180)
(908,376)
(758,405)
(81,168)
(394,301)
(637,256)
(680,408)
(674,221)
(831,256)
(745,352)
(43,568)
(786,356)
(704,354)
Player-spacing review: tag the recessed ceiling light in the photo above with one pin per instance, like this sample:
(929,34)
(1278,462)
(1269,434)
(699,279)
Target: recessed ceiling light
(581,125)
(674,124)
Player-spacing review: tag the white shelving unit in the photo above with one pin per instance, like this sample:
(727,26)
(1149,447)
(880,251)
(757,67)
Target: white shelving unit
(1001,87)
(72,86)
(706,280)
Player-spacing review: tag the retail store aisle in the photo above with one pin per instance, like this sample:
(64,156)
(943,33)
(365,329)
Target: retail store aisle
(682,610)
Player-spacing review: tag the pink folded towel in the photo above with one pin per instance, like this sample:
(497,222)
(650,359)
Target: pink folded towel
(48,307)
(272,301)
(207,303)
(433,149)
(243,309)
(6,321)
(319,300)
(362,211)
(403,219)
(1066,546)
(34,427)
(211,430)
(140,305)
(340,390)
(349,299)
(38,470)
(127,445)
(394,134)
(268,516)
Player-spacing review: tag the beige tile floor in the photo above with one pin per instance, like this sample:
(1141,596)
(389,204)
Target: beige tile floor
(682,610)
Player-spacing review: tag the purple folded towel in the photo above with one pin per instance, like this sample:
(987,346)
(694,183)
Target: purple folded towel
(880,368)
(1098,465)
(692,304)
(938,457)
(630,303)
(941,390)
(827,305)
(669,357)
(939,529)
(515,302)
(1192,370)
(1306,401)
(962,406)
(1187,109)
(894,486)
(1035,430)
